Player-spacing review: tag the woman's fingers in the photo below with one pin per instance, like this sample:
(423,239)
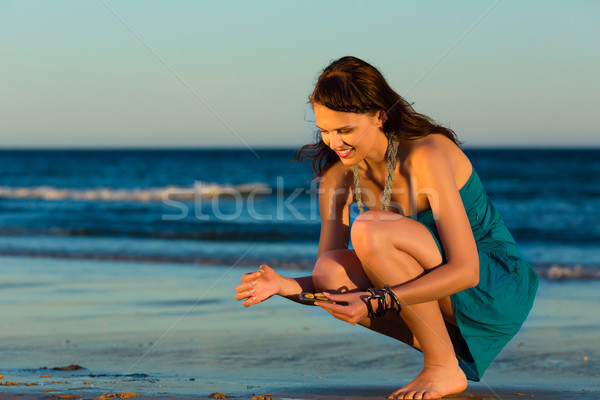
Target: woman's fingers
(250,297)
(254,298)
(250,301)
(265,269)
(332,308)
(246,290)
(351,311)
(244,295)
(337,310)
(257,286)
(340,298)
(341,317)
(245,286)
(251,276)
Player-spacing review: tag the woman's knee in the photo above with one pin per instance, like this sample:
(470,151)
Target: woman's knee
(328,271)
(377,232)
(366,233)
(338,270)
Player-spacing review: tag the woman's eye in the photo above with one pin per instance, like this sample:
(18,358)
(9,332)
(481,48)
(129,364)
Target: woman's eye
(340,132)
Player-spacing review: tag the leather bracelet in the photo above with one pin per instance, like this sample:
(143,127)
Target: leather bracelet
(394,299)
(375,295)
(383,305)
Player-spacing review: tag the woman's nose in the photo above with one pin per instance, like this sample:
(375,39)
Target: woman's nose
(336,141)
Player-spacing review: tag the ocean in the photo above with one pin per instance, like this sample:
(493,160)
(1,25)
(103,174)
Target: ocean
(117,278)
(236,207)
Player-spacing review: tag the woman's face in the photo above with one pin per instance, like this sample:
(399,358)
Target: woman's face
(353,137)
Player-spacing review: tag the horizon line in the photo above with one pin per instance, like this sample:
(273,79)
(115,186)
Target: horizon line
(241,148)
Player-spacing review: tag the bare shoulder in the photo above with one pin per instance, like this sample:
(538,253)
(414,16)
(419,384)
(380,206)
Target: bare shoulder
(436,151)
(337,183)
(337,176)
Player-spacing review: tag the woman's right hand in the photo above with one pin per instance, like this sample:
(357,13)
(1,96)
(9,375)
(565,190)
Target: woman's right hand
(258,286)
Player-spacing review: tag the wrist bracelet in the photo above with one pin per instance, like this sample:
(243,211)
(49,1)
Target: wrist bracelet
(383,305)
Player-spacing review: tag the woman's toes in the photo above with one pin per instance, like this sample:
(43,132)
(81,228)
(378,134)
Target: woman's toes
(429,395)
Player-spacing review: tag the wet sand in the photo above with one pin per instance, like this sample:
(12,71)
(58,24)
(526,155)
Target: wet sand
(175,331)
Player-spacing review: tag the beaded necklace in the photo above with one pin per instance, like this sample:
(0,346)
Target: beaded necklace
(386,195)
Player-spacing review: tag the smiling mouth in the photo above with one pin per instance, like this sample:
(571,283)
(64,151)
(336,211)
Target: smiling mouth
(344,153)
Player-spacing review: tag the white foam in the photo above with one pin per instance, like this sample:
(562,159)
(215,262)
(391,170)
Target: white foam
(564,272)
(198,190)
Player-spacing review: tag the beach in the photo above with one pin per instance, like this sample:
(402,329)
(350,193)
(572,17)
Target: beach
(151,153)
(175,330)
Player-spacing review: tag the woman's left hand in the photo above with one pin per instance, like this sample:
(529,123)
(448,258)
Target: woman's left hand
(352,312)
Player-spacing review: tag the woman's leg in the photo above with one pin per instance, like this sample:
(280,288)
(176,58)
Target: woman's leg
(394,250)
(340,271)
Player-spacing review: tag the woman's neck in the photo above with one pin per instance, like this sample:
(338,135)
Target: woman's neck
(376,158)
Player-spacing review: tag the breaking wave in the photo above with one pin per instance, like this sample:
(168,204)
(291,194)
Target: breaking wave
(198,190)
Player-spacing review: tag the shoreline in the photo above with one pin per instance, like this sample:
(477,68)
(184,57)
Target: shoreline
(163,330)
(551,271)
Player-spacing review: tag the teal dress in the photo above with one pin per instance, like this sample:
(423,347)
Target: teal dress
(491,313)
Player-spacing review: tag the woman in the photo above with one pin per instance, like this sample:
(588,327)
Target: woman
(432,263)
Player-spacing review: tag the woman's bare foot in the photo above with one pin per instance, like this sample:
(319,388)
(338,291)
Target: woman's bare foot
(433,382)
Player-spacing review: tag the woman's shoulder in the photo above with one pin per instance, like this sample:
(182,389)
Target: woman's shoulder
(336,184)
(338,175)
(435,144)
(438,151)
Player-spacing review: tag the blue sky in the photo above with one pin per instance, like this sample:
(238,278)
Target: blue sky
(107,73)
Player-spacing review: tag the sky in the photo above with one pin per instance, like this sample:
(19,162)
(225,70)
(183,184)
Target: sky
(193,74)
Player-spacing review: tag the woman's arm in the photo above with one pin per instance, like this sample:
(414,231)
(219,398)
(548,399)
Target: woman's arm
(461,270)
(292,287)
(260,285)
(435,173)
(334,201)
(335,198)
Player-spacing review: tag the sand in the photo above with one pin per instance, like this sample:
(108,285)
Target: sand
(175,331)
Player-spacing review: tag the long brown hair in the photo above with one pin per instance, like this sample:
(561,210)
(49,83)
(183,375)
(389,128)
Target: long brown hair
(350,84)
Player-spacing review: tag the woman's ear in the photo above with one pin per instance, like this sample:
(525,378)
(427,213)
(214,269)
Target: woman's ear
(382,116)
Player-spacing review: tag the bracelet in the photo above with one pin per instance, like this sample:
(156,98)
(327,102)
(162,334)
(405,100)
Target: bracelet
(383,305)
(381,300)
(394,299)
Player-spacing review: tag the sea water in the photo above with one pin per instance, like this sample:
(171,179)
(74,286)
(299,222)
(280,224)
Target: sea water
(228,206)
